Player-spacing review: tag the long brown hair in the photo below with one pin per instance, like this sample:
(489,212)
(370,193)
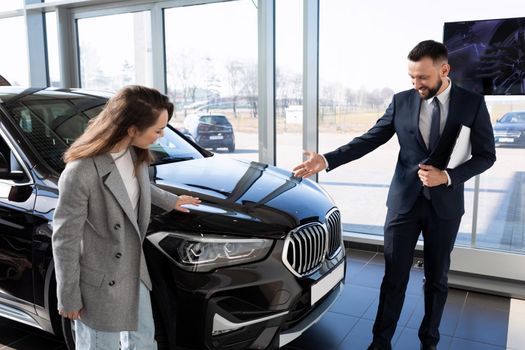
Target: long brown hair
(132,106)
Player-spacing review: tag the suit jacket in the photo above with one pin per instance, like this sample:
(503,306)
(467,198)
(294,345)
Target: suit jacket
(402,118)
(97,242)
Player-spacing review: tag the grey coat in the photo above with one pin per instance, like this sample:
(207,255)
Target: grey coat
(97,242)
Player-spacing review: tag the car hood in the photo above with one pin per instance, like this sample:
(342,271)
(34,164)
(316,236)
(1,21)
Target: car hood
(239,198)
(509,126)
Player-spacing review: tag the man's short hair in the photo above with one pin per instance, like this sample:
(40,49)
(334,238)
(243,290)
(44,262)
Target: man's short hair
(429,48)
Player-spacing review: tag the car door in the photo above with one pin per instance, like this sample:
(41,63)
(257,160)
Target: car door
(17,197)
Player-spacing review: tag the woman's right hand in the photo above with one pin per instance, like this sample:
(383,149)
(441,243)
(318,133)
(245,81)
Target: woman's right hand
(183,200)
(73,315)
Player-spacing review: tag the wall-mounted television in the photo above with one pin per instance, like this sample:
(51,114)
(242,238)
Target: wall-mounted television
(487,56)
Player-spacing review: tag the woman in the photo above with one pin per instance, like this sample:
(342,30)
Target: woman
(101,219)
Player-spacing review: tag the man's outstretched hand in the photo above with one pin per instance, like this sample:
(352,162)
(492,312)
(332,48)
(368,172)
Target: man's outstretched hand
(314,164)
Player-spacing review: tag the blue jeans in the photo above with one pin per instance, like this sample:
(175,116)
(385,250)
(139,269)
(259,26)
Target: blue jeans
(143,339)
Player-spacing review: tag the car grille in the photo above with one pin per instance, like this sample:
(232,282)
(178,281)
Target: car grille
(333,226)
(307,246)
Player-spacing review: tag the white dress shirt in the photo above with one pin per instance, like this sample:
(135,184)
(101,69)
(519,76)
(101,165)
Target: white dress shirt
(126,168)
(426,111)
(425,116)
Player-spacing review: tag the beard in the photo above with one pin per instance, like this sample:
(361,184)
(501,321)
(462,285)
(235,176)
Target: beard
(432,92)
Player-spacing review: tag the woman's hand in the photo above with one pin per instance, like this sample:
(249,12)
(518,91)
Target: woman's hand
(73,315)
(186,200)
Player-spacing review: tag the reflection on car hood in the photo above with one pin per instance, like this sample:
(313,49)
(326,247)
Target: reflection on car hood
(239,197)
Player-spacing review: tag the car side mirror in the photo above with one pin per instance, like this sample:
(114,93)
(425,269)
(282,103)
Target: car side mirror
(20,193)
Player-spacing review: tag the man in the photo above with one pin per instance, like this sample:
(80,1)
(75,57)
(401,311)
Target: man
(424,195)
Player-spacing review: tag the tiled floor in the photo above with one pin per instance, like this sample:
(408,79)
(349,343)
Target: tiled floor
(471,320)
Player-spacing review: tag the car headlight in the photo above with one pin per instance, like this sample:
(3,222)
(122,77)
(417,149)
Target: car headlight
(204,253)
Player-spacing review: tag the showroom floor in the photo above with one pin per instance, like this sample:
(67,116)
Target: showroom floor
(471,320)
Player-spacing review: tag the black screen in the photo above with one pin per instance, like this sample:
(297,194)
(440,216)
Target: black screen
(487,56)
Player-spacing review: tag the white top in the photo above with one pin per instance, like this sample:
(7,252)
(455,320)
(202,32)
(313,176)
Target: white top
(426,112)
(124,164)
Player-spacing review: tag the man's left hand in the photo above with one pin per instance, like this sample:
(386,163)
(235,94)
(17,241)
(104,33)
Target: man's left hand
(431,176)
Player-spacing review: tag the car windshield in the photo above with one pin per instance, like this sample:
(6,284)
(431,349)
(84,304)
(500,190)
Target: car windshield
(52,124)
(214,119)
(515,117)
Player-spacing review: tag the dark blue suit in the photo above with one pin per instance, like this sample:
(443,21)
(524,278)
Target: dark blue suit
(409,213)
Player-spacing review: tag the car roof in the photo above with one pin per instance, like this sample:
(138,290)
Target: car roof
(12,93)
(515,113)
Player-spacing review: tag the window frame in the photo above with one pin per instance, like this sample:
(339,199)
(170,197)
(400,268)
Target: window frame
(6,138)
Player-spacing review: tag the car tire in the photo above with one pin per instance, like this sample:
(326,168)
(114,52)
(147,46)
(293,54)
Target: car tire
(231,148)
(68,330)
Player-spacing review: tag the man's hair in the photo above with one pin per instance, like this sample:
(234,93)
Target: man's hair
(429,48)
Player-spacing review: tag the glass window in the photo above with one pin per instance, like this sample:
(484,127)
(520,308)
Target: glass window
(500,221)
(214,120)
(52,49)
(211,59)
(115,51)
(289,82)
(14,64)
(8,5)
(362,64)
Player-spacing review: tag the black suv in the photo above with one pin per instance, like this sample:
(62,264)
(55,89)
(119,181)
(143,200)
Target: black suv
(251,268)
(211,131)
(509,130)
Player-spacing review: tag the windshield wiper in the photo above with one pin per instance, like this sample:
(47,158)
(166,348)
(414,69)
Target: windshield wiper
(174,159)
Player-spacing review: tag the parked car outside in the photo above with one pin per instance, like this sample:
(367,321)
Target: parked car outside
(211,131)
(256,264)
(509,130)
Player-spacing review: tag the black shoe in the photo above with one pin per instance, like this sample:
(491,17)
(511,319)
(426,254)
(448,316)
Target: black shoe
(428,347)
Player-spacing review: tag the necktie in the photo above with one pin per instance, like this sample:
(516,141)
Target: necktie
(435,117)
(433,138)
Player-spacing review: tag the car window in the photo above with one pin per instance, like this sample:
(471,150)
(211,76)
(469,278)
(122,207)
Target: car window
(10,168)
(4,156)
(513,118)
(173,148)
(214,119)
(52,125)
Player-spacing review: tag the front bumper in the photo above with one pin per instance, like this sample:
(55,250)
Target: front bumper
(209,141)
(510,140)
(260,305)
